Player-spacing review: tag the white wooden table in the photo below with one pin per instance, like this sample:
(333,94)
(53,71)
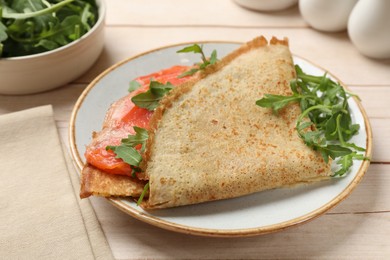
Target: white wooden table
(358,228)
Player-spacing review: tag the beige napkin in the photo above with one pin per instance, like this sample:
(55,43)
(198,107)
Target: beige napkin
(41,216)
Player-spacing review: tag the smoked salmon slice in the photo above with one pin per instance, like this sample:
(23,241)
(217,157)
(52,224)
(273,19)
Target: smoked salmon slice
(120,120)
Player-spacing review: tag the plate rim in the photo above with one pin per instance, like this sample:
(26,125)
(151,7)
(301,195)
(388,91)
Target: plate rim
(245,232)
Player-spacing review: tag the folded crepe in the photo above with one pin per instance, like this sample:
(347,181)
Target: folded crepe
(208,140)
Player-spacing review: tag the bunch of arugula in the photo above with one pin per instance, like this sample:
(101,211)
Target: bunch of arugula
(34,26)
(325,103)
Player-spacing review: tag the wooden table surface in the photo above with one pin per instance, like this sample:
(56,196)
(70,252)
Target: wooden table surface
(358,228)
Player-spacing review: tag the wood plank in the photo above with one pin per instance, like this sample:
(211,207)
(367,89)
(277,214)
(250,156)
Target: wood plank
(334,51)
(371,194)
(381,140)
(199,13)
(350,236)
(62,99)
(375,99)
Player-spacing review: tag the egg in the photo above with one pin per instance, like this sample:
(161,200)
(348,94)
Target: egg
(266,5)
(369,28)
(327,15)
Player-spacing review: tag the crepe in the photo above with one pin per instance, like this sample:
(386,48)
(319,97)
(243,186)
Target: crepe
(208,140)
(99,183)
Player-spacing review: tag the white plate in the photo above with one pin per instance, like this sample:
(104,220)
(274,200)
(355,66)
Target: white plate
(259,213)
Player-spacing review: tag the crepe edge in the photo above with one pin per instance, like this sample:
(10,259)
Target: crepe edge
(99,183)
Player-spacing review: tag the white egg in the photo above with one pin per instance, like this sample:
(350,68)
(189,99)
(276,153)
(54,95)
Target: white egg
(327,15)
(369,28)
(266,5)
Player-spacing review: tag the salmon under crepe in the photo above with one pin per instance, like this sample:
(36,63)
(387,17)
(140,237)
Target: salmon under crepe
(208,140)
(104,174)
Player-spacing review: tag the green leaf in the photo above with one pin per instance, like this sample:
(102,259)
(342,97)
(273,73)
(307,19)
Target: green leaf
(151,98)
(193,48)
(188,73)
(336,151)
(276,102)
(313,138)
(324,155)
(87,15)
(331,129)
(3,33)
(355,147)
(303,126)
(71,26)
(47,44)
(134,85)
(146,100)
(140,137)
(36,11)
(127,154)
(213,57)
(144,192)
(345,163)
(126,150)
(160,89)
(294,86)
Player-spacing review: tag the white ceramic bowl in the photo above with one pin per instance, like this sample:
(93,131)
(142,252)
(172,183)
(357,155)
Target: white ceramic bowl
(48,70)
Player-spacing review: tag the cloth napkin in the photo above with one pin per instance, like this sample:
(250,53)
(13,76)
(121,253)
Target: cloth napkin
(41,216)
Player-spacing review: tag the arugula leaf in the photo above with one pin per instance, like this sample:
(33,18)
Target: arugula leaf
(195,48)
(35,26)
(151,98)
(3,34)
(127,153)
(126,150)
(334,151)
(213,57)
(160,89)
(36,10)
(345,163)
(325,103)
(188,73)
(141,197)
(140,138)
(134,85)
(276,102)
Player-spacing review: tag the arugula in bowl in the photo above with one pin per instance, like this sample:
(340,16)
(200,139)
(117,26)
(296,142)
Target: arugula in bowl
(34,26)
